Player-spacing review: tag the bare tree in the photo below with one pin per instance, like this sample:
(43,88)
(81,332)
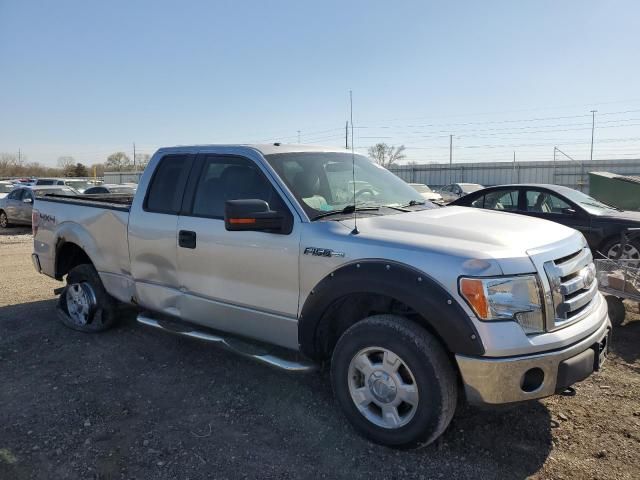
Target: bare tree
(66,161)
(386,155)
(141,161)
(118,162)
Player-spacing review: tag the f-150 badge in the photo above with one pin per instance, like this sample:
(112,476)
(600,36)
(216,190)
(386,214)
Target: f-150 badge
(322,252)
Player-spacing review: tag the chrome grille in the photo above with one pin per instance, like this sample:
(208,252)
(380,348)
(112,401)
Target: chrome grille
(572,279)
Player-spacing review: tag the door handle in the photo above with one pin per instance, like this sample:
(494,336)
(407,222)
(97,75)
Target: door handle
(187,239)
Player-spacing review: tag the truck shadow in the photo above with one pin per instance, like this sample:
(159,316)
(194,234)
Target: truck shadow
(626,339)
(134,383)
(16,230)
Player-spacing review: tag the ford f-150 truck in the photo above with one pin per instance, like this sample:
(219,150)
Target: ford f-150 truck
(301,256)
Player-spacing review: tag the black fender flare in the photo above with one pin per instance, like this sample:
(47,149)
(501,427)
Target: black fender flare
(401,282)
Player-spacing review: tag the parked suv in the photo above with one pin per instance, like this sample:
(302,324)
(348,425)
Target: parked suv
(300,256)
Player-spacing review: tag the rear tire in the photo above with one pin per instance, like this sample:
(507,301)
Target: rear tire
(616,309)
(84,304)
(4,220)
(394,381)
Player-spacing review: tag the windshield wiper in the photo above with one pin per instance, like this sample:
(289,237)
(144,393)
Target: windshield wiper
(413,203)
(345,211)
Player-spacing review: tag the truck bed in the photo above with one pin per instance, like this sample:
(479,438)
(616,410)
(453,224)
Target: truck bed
(113,201)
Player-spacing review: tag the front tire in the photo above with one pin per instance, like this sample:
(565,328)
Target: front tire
(394,381)
(84,304)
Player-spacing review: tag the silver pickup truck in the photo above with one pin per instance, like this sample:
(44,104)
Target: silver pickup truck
(299,256)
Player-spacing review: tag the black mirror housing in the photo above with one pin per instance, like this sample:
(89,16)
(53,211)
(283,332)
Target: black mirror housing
(254,215)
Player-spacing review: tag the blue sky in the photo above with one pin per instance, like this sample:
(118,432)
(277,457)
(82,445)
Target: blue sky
(88,78)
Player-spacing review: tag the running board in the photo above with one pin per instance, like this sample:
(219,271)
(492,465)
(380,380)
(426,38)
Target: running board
(259,353)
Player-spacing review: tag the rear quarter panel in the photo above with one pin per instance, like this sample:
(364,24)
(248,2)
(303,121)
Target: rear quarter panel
(100,232)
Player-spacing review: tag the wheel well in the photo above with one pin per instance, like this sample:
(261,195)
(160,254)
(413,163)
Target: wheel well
(350,309)
(69,255)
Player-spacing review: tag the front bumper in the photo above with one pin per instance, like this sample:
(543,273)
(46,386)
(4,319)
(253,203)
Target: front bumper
(515,379)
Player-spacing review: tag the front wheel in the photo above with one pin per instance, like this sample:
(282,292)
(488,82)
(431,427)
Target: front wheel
(84,304)
(394,381)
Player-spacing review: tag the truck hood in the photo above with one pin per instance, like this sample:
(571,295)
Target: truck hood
(468,233)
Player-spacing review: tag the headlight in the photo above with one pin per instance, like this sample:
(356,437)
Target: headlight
(506,298)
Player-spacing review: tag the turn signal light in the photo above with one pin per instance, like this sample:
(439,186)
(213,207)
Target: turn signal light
(472,289)
(244,221)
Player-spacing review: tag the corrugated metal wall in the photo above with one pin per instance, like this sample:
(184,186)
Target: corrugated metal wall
(568,173)
(121,177)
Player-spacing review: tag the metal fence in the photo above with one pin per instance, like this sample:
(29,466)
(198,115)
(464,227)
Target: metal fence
(572,174)
(121,177)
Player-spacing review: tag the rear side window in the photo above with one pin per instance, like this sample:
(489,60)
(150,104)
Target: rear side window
(167,185)
(501,200)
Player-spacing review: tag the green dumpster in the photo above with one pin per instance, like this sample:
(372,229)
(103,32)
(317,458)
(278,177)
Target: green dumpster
(618,190)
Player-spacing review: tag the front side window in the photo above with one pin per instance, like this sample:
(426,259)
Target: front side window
(15,194)
(5,188)
(545,202)
(324,182)
(231,178)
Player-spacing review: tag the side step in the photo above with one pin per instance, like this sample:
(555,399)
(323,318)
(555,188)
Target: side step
(272,356)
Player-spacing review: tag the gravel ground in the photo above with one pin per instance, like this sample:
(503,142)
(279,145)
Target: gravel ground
(138,403)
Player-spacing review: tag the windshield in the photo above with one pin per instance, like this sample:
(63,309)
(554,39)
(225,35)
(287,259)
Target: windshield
(55,191)
(5,187)
(420,188)
(590,204)
(80,185)
(323,182)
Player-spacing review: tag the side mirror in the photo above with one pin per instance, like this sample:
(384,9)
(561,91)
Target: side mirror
(253,215)
(27,200)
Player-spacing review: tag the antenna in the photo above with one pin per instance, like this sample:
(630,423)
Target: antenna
(353,169)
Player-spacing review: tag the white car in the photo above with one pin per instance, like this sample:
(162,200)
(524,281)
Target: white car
(427,193)
(5,188)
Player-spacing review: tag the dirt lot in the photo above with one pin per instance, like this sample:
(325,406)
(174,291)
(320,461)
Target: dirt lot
(136,403)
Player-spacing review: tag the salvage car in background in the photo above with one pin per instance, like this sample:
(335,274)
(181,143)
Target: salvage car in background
(109,188)
(426,193)
(16,207)
(457,190)
(5,188)
(600,224)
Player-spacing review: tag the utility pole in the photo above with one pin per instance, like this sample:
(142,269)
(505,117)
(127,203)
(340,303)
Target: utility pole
(134,156)
(346,135)
(514,165)
(593,125)
(450,158)
(19,156)
(298,137)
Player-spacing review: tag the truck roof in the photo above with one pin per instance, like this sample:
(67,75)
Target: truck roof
(264,148)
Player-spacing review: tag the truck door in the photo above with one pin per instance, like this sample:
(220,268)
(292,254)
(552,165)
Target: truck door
(244,282)
(152,234)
